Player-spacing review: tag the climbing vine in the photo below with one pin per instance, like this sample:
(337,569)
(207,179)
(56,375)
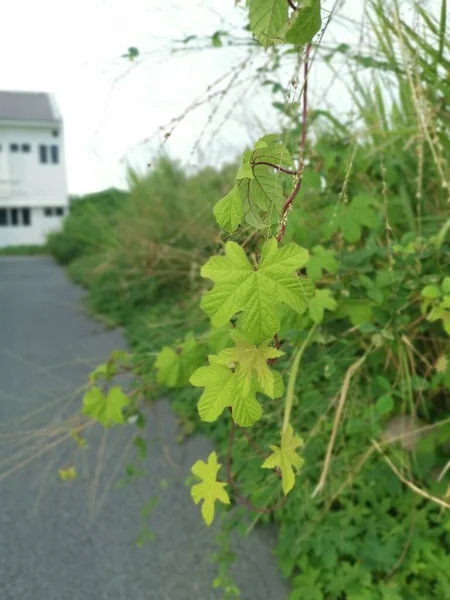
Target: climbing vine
(249,289)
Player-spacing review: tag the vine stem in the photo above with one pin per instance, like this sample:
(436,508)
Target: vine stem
(293,378)
(232,483)
(281,169)
(291,4)
(287,205)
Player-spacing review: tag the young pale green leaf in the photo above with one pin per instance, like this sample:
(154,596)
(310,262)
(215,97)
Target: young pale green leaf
(175,368)
(209,490)
(267,18)
(229,211)
(67,473)
(107,410)
(285,457)
(223,388)
(319,261)
(305,23)
(321,301)
(101,372)
(431,291)
(252,361)
(256,291)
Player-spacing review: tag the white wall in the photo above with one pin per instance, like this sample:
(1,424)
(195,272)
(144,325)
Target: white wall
(24,180)
(35,233)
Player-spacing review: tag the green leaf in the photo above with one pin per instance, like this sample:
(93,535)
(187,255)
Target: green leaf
(175,368)
(305,23)
(209,490)
(260,185)
(321,260)
(229,211)
(358,311)
(351,218)
(267,18)
(431,291)
(68,473)
(168,364)
(262,197)
(102,371)
(245,170)
(252,361)
(219,338)
(384,405)
(215,39)
(107,410)
(286,458)
(446,286)
(321,301)
(256,290)
(223,388)
(269,149)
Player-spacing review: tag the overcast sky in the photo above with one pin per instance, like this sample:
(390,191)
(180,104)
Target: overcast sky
(74,49)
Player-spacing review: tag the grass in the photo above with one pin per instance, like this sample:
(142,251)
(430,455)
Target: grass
(25,250)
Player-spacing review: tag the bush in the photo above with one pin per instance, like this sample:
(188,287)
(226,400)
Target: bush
(129,249)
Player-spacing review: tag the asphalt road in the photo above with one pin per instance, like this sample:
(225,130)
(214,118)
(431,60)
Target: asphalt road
(77,540)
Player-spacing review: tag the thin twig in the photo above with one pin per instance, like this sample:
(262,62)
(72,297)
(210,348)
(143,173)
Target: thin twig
(444,471)
(291,4)
(410,484)
(343,396)
(287,205)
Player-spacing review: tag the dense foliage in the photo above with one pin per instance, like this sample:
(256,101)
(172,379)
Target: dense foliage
(355,331)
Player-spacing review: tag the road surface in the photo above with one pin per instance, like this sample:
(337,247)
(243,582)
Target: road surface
(77,540)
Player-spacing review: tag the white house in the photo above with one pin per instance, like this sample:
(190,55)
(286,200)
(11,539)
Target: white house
(33,184)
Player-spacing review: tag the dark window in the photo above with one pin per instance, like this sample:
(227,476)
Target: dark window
(48,212)
(26,216)
(55,154)
(26,148)
(59,211)
(3,217)
(55,133)
(14,147)
(14,216)
(43,154)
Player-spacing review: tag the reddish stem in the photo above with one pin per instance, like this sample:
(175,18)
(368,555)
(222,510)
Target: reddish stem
(281,169)
(287,205)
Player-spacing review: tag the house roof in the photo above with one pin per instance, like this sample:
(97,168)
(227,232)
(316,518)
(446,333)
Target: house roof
(28,106)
